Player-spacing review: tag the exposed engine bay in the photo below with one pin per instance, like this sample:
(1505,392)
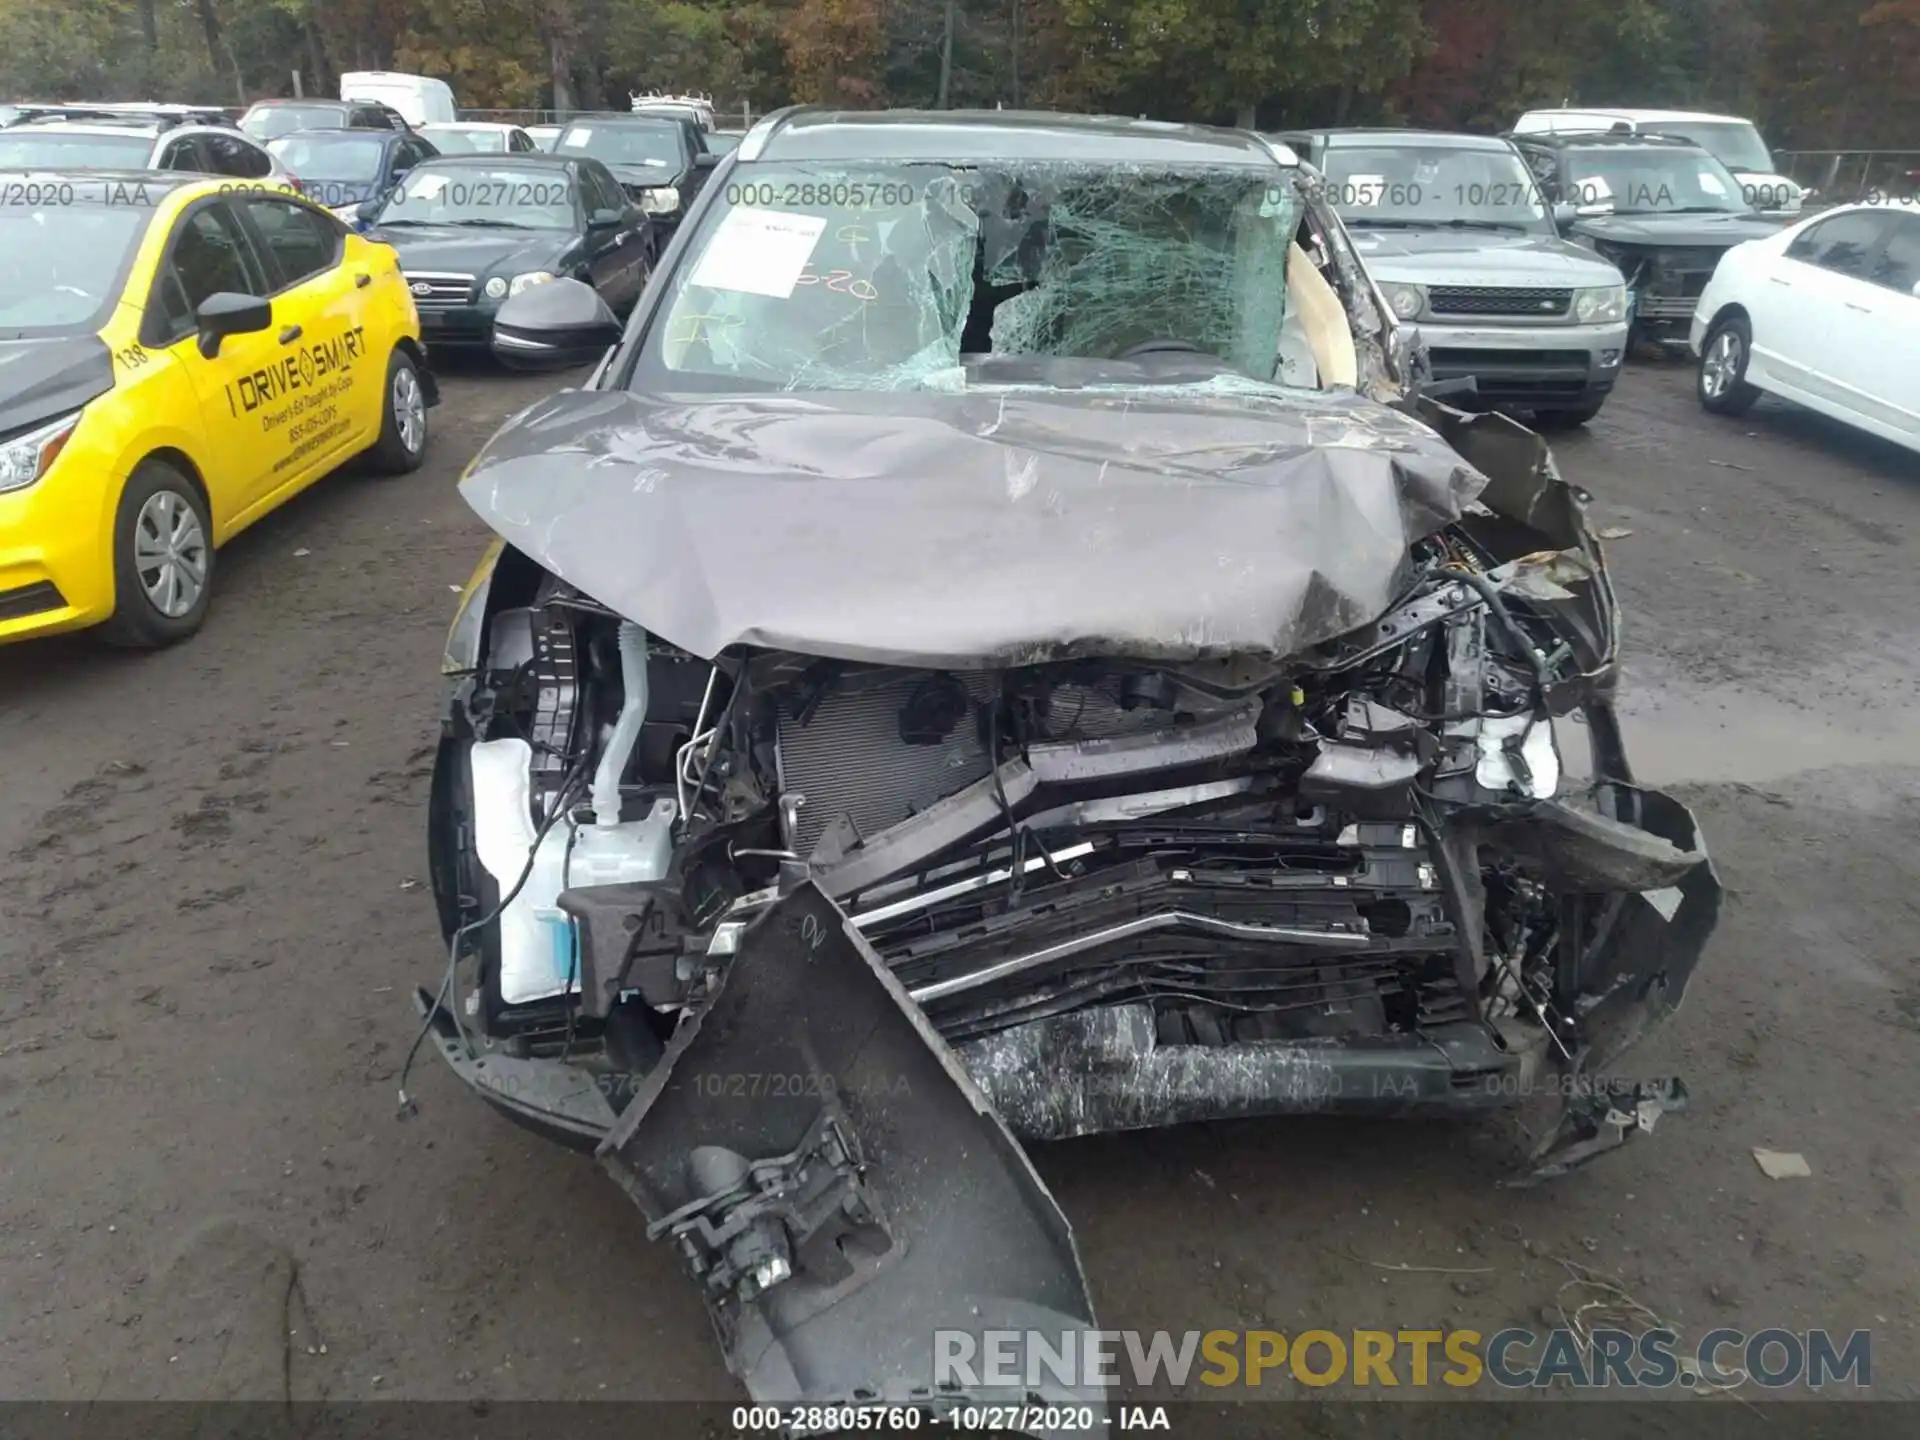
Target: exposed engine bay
(761,923)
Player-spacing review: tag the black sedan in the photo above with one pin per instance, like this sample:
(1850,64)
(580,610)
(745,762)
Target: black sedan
(473,230)
(341,169)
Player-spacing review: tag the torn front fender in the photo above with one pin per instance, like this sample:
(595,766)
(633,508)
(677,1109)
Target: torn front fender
(849,1202)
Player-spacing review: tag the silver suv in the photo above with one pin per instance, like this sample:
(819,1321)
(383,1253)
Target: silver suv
(109,140)
(1455,231)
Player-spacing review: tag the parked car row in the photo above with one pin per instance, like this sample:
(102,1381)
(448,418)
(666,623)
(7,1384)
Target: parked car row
(1534,263)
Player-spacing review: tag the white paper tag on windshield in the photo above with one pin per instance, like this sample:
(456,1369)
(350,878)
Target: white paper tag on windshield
(427,187)
(761,252)
(1365,189)
(1710,183)
(576,138)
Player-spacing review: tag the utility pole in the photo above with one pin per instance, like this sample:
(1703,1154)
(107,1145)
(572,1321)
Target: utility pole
(1016,53)
(946,58)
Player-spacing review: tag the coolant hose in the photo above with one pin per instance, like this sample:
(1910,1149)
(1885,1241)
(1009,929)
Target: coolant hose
(626,730)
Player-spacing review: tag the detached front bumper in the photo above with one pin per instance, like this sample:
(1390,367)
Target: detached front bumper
(1529,366)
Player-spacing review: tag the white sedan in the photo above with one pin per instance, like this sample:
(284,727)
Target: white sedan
(478,137)
(1827,314)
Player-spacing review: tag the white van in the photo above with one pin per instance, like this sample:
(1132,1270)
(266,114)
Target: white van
(1733,141)
(422,100)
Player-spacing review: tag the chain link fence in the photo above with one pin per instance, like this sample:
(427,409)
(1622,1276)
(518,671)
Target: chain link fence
(1842,176)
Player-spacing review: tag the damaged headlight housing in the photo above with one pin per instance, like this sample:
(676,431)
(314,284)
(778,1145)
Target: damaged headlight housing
(660,200)
(1407,300)
(1602,302)
(25,458)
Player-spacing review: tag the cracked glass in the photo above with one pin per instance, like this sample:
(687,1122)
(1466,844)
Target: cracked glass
(890,277)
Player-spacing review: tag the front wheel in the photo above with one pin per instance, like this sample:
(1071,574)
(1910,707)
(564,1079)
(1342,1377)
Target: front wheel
(403,418)
(162,560)
(1723,368)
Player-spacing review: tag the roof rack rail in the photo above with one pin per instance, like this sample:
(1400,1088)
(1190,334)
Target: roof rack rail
(165,116)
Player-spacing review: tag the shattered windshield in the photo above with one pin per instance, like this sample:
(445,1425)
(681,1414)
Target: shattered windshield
(1650,180)
(825,277)
(1421,185)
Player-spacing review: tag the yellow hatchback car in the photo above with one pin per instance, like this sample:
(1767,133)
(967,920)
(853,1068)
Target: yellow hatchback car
(179,356)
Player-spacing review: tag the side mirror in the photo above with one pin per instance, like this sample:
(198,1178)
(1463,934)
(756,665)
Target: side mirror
(706,161)
(225,313)
(555,326)
(367,211)
(1916,289)
(606,220)
(1563,214)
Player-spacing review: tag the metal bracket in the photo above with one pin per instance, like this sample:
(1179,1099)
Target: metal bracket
(759,1222)
(1604,1118)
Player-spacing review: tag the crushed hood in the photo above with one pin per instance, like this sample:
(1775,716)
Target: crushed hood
(986,526)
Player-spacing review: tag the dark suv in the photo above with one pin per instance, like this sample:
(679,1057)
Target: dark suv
(1003,646)
(270,119)
(661,161)
(1661,208)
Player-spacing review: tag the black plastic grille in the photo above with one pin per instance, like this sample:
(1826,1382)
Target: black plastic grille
(1496,300)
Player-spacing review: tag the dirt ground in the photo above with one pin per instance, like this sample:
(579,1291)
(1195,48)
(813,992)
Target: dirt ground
(214,906)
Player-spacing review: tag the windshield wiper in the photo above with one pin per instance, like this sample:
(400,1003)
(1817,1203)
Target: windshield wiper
(1483,225)
(486,224)
(1370,223)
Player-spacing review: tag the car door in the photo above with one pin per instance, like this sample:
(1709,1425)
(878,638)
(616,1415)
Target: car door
(1894,388)
(210,253)
(325,382)
(1815,315)
(619,262)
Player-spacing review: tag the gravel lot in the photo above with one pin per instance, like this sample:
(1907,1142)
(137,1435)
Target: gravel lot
(214,906)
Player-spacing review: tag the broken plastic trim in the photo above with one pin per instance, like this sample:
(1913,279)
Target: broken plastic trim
(840,1187)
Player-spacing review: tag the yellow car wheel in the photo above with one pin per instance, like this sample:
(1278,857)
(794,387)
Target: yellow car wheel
(162,560)
(403,419)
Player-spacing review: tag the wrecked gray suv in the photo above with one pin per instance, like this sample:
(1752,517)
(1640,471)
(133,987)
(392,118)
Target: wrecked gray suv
(1002,648)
